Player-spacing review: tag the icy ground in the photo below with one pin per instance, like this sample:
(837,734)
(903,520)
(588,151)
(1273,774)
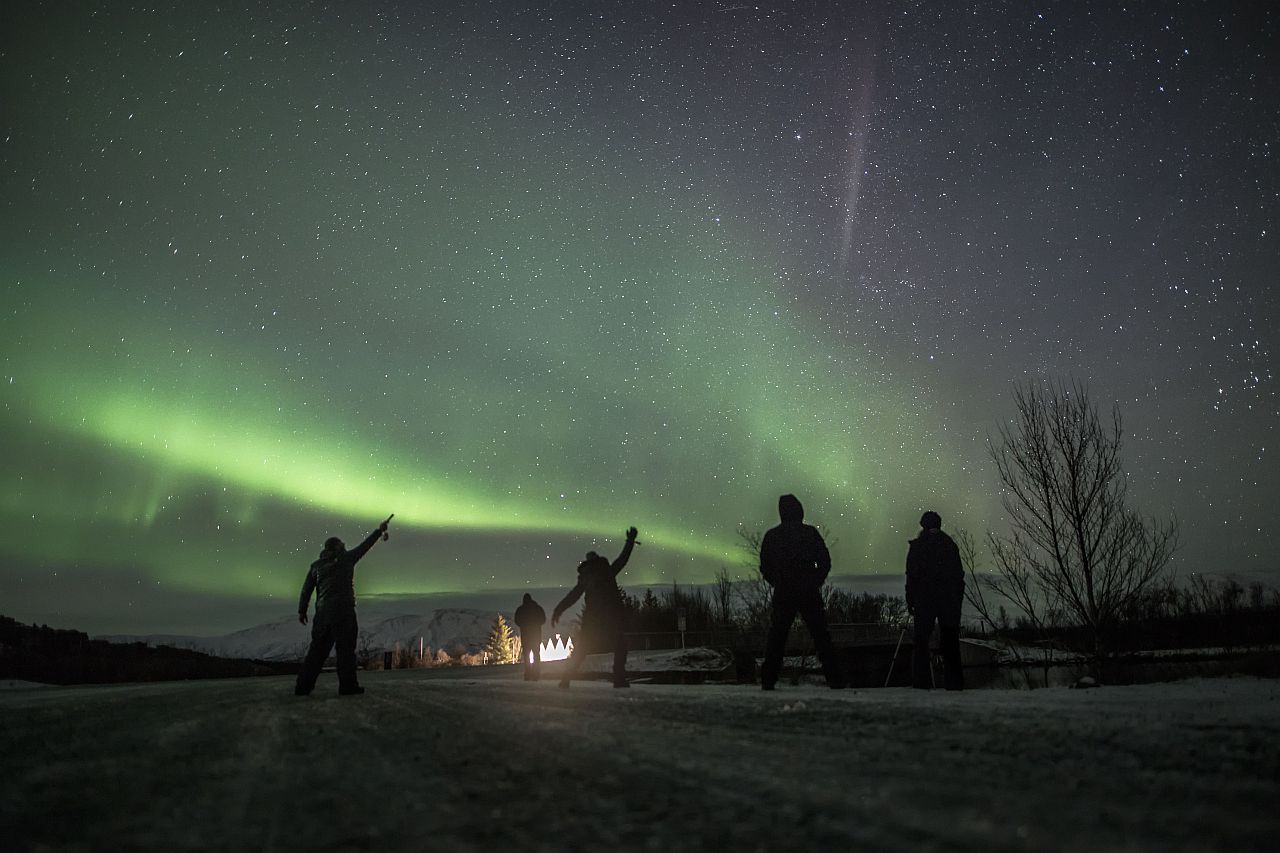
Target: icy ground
(473,760)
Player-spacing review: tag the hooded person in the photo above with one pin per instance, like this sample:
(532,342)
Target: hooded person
(603,616)
(794,560)
(332,578)
(935,592)
(530,617)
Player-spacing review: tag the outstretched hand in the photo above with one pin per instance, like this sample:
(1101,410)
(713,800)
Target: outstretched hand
(632,533)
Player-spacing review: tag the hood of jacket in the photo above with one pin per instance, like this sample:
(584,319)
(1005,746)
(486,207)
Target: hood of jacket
(790,510)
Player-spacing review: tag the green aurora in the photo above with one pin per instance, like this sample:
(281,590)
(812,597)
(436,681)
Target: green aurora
(509,428)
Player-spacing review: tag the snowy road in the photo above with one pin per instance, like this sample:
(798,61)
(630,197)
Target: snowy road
(490,762)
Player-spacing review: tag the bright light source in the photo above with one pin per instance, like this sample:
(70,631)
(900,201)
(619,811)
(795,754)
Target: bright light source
(557,649)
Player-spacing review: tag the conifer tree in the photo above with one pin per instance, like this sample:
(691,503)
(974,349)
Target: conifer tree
(498,649)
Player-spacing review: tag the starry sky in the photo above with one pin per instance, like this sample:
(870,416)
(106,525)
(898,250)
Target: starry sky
(527,274)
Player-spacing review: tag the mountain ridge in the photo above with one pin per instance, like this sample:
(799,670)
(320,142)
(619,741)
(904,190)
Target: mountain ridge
(454,629)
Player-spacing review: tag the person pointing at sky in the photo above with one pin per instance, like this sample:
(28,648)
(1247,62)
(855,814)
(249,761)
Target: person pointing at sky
(332,578)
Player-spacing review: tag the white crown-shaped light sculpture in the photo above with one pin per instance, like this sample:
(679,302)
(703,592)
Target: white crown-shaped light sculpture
(557,649)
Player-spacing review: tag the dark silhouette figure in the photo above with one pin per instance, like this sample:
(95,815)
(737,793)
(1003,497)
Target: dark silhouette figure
(935,590)
(795,562)
(604,616)
(530,617)
(332,578)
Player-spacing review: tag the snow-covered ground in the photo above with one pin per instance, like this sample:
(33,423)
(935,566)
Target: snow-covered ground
(18,684)
(476,760)
(662,660)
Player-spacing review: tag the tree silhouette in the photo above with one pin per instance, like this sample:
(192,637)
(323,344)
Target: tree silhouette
(1075,548)
(722,595)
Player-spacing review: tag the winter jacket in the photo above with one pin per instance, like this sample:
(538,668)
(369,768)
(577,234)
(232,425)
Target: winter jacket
(935,575)
(332,578)
(598,580)
(530,617)
(793,557)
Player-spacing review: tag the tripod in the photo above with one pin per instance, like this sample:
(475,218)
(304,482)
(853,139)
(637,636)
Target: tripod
(901,634)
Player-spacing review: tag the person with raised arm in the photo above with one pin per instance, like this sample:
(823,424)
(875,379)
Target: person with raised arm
(332,578)
(603,616)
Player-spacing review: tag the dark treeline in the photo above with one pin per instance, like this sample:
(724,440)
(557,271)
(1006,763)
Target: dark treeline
(1203,612)
(55,656)
(744,606)
(1203,595)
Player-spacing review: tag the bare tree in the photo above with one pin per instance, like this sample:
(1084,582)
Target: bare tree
(750,545)
(1075,548)
(755,596)
(366,651)
(977,587)
(722,595)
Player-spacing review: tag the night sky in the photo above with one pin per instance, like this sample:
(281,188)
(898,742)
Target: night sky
(525,277)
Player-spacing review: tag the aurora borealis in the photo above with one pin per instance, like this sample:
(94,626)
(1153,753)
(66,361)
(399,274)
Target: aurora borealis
(527,276)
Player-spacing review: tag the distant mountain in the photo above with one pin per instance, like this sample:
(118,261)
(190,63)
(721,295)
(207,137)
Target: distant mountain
(451,629)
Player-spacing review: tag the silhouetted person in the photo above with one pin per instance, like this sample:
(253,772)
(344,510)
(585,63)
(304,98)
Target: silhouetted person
(795,562)
(530,617)
(604,616)
(935,590)
(332,578)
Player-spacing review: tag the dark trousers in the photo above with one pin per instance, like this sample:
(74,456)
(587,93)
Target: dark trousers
(949,641)
(327,631)
(785,608)
(611,637)
(531,653)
